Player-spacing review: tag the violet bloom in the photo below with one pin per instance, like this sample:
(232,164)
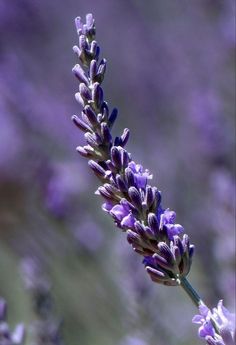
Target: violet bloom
(130,200)
(122,214)
(141,176)
(216,327)
(168,221)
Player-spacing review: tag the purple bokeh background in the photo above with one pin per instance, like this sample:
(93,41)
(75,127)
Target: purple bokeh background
(171,73)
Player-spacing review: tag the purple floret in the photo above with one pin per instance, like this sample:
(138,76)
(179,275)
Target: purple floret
(122,215)
(168,221)
(141,175)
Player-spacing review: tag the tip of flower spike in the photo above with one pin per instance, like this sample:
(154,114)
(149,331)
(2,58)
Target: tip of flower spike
(88,28)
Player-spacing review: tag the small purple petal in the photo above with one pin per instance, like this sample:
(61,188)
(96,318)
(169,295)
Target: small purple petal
(173,229)
(128,221)
(197,319)
(169,216)
(141,176)
(204,310)
(107,206)
(118,212)
(206,329)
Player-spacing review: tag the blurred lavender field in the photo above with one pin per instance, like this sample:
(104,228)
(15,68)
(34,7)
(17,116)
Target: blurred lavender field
(171,73)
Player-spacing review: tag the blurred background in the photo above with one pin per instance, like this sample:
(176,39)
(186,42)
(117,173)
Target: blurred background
(171,73)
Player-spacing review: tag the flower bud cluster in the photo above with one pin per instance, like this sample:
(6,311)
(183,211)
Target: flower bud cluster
(8,337)
(132,202)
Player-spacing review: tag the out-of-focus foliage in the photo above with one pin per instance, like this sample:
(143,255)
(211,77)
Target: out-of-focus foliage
(171,74)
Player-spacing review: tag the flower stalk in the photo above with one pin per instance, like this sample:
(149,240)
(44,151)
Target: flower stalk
(129,199)
(187,287)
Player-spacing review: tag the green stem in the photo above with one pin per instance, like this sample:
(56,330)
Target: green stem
(191,292)
(184,283)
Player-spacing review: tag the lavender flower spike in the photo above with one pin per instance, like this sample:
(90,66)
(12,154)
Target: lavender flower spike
(130,200)
(216,327)
(7,337)
(134,205)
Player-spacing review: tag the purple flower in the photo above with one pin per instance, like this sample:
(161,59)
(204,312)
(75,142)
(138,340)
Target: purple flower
(168,216)
(107,206)
(122,215)
(141,175)
(167,221)
(216,327)
(84,28)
